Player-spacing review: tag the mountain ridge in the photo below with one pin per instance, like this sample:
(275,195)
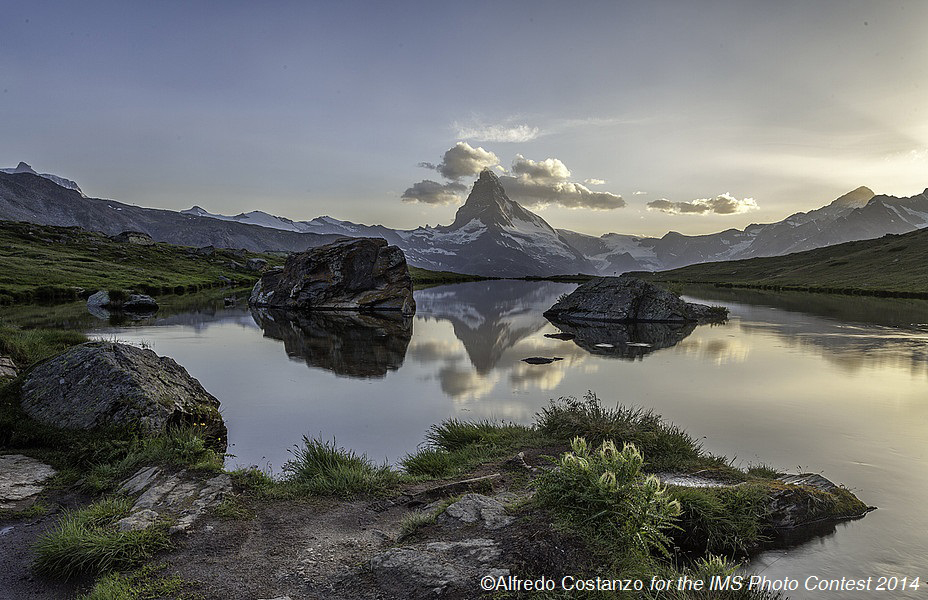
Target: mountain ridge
(490,235)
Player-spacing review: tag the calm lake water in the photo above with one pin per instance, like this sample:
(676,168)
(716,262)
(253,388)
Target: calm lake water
(833,385)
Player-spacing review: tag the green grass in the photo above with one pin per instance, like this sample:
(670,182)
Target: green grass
(424,278)
(416,520)
(86,542)
(666,446)
(141,584)
(321,468)
(55,263)
(893,265)
(28,346)
(453,446)
(726,520)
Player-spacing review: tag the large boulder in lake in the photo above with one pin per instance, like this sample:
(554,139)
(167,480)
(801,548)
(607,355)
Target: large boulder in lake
(103,384)
(348,274)
(629,299)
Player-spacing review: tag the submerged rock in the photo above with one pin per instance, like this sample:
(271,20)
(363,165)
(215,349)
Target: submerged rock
(349,274)
(629,299)
(349,343)
(102,384)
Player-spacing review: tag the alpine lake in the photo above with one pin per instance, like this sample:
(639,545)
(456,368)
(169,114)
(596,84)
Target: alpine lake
(836,385)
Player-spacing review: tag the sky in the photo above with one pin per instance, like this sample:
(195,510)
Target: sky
(629,117)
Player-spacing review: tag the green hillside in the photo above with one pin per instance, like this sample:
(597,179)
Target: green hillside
(39,262)
(893,265)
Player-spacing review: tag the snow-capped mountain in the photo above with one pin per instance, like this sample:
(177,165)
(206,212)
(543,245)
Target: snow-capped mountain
(493,235)
(857,215)
(490,235)
(65,183)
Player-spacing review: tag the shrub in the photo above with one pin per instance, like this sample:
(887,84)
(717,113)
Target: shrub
(604,493)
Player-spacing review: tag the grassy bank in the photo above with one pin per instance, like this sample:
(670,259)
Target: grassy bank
(43,263)
(890,266)
(424,278)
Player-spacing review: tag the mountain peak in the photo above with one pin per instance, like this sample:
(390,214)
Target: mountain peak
(23,167)
(488,203)
(855,198)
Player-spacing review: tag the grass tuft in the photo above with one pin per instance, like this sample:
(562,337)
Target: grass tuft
(322,468)
(727,520)
(86,541)
(667,446)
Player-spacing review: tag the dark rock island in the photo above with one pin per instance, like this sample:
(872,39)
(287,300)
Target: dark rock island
(629,300)
(348,274)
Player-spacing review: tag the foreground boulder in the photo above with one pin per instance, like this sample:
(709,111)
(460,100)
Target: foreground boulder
(182,497)
(349,274)
(102,384)
(629,299)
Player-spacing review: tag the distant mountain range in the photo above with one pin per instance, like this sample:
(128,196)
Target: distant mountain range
(490,234)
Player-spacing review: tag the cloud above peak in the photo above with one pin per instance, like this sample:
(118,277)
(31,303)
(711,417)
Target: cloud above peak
(463,160)
(533,183)
(723,204)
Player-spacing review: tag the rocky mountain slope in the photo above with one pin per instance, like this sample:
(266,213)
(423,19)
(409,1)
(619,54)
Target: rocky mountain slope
(25,168)
(29,197)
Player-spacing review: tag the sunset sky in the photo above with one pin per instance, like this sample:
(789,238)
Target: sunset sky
(717,114)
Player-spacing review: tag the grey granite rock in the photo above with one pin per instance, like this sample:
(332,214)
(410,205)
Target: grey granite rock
(628,299)
(477,509)
(21,479)
(102,384)
(182,496)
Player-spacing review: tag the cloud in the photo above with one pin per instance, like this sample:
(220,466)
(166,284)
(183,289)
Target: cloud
(432,192)
(549,170)
(497,133)
(639,193)
(723,204)
(594,181)
(540,183)
(532,183)
(463,160)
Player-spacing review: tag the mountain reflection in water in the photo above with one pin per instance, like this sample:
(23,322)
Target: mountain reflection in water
(348,343)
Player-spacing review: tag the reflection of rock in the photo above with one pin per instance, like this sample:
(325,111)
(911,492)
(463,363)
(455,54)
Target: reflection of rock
(101,384)
(625,340)
(348,343)
(628,299)
(541,360)
(348,274)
